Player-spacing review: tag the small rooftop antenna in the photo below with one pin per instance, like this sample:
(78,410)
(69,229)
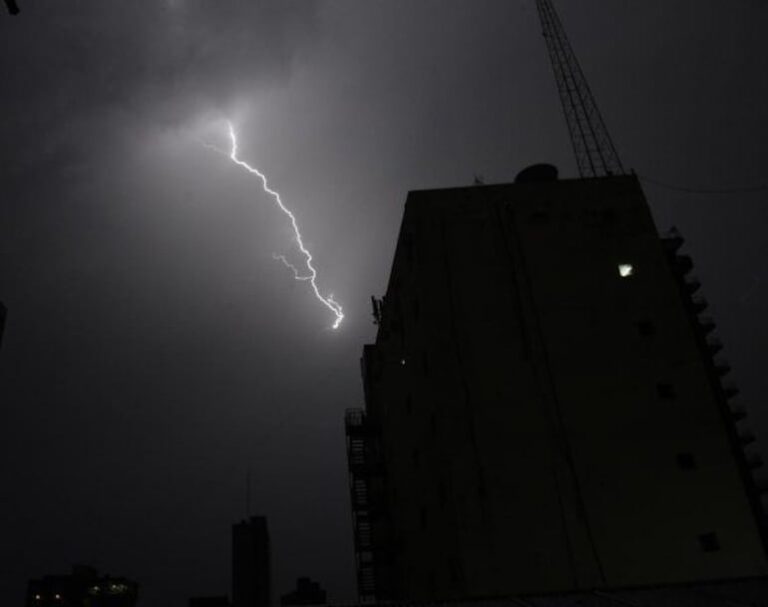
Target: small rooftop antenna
(248,494)
(596,155)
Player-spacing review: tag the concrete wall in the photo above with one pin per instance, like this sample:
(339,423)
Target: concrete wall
(527,447)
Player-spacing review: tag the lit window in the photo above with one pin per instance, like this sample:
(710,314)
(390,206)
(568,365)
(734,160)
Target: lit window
(626,269)
(57,597)
(402,361)
(38,597)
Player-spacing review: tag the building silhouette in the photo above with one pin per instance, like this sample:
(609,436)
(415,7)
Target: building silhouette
(251,573)
(307,592)
(545,411)
(84,586)
(209,601)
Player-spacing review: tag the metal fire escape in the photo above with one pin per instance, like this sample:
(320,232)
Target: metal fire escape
(595,153)
(360,456)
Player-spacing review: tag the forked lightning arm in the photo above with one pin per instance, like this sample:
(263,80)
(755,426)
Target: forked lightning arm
(311,275)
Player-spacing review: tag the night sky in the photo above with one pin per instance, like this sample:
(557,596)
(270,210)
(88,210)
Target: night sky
(155,351)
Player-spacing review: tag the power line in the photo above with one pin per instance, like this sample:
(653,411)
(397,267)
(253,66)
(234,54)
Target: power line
(692,190)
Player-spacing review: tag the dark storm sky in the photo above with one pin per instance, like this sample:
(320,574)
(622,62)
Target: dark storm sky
(155,350)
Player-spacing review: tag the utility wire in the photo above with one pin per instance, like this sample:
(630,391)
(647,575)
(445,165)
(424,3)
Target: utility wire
(690,190)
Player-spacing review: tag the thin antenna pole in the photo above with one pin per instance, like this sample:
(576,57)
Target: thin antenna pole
(248,494)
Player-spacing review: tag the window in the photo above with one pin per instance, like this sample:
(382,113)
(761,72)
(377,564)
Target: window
(645,328)
(608,216)
(539,218)
(686,461)
(408,244)
(709,542)
(453,570)
(626,270)
(666,391)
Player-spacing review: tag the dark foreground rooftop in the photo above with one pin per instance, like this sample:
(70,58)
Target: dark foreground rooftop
(751,592)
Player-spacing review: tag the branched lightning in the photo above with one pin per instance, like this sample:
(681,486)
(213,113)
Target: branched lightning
(311,275)
(296,274)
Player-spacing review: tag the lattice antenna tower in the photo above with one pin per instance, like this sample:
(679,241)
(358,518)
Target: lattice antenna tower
(595,153)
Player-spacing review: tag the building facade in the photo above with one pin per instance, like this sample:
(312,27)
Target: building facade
(545,410)
(251,571)
(83,587)
(209,601)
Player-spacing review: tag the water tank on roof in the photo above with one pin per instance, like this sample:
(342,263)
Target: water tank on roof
(537,172)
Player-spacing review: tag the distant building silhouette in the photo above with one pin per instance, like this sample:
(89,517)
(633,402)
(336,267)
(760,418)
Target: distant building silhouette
(209,601)
(307,593)
(544,410)
(251,572)
(84,586)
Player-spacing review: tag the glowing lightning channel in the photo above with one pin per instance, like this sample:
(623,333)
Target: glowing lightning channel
(296,274)
(328,302)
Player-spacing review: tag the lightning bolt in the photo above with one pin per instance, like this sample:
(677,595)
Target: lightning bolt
(311,276)
(296,274)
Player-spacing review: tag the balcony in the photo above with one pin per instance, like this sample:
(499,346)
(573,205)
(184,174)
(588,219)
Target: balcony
(714,345)
(747,438)
(706,324)
(692,285)
(699,304)
(730,390)
(738,413)
(683,264)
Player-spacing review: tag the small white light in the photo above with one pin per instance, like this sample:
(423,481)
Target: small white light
(626,269)
(57,596)
(37,597)
(402,361)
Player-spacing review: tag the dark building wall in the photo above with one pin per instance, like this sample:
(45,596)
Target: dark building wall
(538,412)
(209,601)
(251,571)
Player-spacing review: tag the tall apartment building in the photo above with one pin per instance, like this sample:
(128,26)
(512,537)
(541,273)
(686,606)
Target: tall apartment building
(544,408)
(251,571)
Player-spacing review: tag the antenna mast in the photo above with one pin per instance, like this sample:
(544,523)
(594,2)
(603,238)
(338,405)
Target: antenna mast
(595,153)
